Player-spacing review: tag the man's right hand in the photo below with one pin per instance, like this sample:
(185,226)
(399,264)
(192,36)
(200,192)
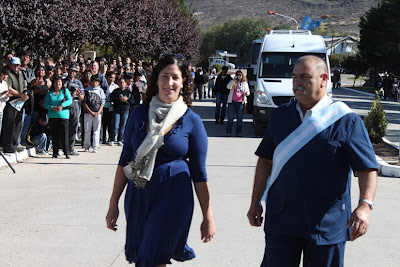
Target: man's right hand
(24,97)
(255,214)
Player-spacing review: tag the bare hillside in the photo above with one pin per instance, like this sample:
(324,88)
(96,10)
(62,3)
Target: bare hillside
(344,14)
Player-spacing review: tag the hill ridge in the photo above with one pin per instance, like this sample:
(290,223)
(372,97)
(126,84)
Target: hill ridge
(344,14)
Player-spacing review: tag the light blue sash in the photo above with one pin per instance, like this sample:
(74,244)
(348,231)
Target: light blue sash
(303,134)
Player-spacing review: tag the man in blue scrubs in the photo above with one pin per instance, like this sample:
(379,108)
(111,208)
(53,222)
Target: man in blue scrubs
(308,206)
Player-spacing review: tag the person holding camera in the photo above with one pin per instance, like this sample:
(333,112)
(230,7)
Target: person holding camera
(237,98)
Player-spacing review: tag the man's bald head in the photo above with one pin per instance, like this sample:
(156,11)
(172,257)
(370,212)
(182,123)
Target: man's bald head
(315,61)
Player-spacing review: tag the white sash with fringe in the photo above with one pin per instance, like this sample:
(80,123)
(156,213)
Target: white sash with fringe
(310,127)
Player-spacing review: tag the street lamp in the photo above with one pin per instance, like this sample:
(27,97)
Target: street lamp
(274,13)
(198,14)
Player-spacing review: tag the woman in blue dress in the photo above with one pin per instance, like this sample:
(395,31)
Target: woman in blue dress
(164,151)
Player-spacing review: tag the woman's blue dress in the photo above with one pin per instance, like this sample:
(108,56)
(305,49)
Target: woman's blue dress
(159,216)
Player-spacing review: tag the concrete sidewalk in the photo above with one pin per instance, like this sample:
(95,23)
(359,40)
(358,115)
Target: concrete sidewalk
(53,210)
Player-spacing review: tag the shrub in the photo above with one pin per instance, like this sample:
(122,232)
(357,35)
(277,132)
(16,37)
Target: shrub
(375,122)
(217,67)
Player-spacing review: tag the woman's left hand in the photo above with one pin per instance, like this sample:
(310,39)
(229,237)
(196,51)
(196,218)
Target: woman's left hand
(207,229)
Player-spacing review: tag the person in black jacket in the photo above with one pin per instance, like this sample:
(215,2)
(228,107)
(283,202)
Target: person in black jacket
(134,89)
(38,135)
(222,94)
(199,82)
(122,99)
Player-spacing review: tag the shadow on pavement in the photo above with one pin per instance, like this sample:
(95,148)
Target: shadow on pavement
(206,110)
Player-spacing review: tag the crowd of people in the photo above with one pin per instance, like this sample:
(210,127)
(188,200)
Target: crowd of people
(51,104)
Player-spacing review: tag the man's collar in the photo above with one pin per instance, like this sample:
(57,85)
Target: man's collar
(324,102)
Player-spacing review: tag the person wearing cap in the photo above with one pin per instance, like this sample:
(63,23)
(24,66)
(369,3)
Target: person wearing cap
(93,104)
(75,87)
(12,117)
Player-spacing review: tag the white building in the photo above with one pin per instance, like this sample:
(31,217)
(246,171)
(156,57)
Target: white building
(225,55)
(341,45)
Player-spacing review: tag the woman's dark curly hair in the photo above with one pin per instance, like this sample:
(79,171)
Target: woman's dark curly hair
(164,62)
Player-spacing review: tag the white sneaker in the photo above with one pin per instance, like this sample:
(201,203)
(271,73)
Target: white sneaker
(95,150)
(120,143)
(74,153)
(86,150)
(111,143)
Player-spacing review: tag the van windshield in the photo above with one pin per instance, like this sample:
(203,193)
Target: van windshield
(280,64)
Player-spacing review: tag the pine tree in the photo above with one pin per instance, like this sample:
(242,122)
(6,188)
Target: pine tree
(375,122)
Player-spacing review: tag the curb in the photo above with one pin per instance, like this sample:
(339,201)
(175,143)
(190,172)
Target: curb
(357,91)
(385,168)
(17,157)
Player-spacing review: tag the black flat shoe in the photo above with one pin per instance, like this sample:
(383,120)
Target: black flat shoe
(67,156)
(55,156)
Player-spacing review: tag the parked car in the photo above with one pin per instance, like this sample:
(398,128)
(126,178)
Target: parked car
(222,63)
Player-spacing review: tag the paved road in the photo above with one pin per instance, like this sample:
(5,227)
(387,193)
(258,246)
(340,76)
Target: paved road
(52,210)
(361,105)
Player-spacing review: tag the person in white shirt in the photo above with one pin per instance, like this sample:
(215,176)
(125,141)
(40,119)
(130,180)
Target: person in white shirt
(93,104)
(108,109)
(4,93)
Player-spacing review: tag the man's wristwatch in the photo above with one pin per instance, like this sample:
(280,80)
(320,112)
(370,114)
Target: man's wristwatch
(369,202)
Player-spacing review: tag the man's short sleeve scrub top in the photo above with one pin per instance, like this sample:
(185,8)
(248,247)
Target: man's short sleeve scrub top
(311,196)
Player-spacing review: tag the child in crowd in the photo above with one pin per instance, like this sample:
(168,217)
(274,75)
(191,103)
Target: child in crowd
(93,104)
(38,135)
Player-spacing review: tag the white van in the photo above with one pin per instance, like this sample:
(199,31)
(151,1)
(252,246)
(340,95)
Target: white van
(279,51)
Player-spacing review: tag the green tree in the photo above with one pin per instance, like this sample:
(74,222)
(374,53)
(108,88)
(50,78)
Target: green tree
(375,122)
(380,37)
(356,64)
(233,36)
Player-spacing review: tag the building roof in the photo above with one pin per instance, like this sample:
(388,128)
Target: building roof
(337,40)
(228,54)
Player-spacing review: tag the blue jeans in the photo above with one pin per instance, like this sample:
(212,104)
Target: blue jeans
(235,110)
(26,123)
(210,90)
(222,99)
(41,142)
(119,121)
